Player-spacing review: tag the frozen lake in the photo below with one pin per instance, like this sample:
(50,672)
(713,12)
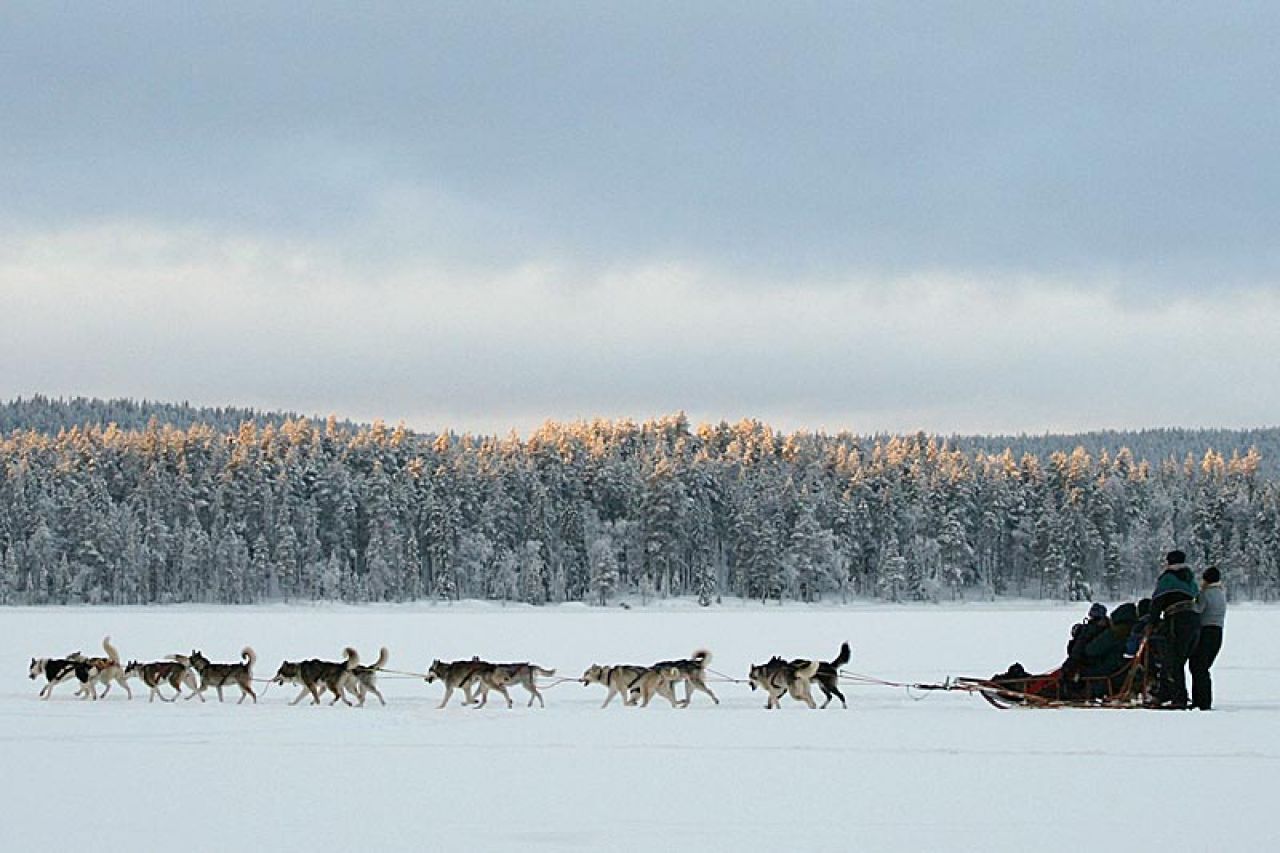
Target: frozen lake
(894,772)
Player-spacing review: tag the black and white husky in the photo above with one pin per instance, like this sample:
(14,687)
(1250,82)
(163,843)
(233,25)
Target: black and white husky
(778,677)
(58,670)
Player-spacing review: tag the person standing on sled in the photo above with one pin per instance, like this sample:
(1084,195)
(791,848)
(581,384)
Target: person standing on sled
(1211,604)
(1173,604)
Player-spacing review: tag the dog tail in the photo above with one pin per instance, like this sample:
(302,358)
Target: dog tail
(250,656)
(382,658)
(537,670)
(702,656)
(809,669)
(353,658)
(843,657)
(112,654)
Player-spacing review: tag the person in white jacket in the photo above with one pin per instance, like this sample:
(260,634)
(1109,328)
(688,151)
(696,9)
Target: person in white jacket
(1211,604)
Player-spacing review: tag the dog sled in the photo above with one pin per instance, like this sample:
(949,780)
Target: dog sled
(1127,687)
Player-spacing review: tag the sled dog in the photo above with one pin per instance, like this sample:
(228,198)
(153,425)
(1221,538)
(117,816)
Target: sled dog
(499,675)
(109,670)
(457,675)
(363,680)
(828,676)
(58,670)
(633,683)
(217,675)
(290,672)
(315,675)
(693,671)
(176,671)
(779,677)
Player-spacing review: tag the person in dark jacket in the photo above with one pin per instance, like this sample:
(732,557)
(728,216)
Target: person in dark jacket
(1082,634)
(1173,604)
(1139,630)
(1211,604)
(1103,659)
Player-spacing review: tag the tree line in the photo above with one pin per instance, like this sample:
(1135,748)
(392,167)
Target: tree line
(295,508)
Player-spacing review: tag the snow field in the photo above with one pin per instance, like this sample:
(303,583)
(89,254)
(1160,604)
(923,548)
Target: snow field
(896,771)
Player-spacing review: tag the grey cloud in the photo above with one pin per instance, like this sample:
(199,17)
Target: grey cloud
(1131,144)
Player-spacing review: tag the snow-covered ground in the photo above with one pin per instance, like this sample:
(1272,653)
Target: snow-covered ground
(894,772)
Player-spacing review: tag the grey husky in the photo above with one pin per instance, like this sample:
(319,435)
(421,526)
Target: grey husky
(314,675)
(218,675)
(457,675)
(363,680)
(635,684)
(779,677)
(499,675)
(693,672)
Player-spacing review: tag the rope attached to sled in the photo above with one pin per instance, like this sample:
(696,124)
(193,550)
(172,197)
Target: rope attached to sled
(722,678)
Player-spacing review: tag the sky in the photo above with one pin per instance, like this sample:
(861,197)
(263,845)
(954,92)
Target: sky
(959,217)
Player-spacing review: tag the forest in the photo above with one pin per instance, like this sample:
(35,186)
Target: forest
(233,506)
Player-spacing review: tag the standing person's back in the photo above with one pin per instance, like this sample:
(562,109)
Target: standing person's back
(1173,602)
(1211,604)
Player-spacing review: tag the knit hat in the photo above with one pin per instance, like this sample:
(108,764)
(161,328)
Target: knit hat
(1144,607)
(1175,558)
(1125,614)
(1097,611)
(1212,575)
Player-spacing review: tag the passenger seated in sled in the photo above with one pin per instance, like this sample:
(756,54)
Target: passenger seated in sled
(1095,667)
(1101,663)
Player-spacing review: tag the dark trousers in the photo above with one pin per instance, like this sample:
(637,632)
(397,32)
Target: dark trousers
(1181,631)
(1202,659)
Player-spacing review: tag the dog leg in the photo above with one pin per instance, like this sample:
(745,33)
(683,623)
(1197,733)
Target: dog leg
(448,691)
(376,692)
(247,690)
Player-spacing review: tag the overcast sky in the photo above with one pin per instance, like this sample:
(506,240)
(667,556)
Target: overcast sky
(957,217)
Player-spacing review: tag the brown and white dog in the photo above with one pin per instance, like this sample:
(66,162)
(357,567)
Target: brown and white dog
(176,671)
(109,670)
(217,675)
